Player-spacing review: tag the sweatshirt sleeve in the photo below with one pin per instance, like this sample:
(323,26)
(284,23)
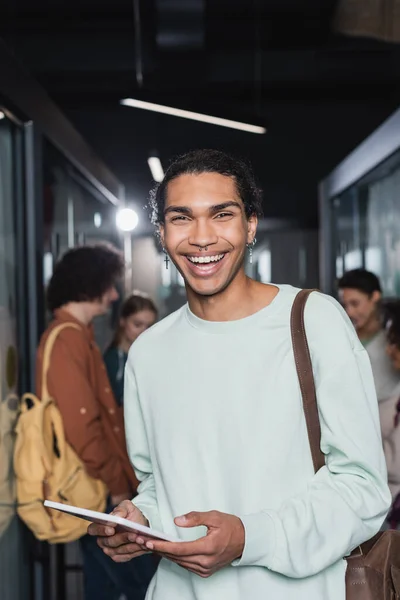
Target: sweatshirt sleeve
(347,500)
(138,450)
(69,384)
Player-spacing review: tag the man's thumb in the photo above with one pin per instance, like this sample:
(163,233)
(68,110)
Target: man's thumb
(192,519)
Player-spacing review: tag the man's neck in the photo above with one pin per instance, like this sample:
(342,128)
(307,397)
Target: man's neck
(81,311)
(241,299)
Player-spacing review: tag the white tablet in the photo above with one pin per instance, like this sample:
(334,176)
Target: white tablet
(119,523)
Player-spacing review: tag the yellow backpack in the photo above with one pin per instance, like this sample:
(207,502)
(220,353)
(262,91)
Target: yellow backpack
(47,467)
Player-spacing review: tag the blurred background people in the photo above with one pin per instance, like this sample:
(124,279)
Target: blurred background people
(138,313)
(360,293)
(83,286)
(389,411)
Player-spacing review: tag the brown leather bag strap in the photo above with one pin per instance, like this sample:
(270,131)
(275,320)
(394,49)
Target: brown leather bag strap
(306,378)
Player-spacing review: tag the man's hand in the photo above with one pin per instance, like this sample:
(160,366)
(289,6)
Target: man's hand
(121,547)
(223,543)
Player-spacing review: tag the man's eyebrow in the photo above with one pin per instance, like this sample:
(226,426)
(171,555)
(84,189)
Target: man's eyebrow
(186,210)
(230,204)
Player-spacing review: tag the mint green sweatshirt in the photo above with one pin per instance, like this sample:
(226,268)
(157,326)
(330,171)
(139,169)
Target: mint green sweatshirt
(214,421)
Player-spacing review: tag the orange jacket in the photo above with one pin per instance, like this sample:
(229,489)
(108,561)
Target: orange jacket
(93,422)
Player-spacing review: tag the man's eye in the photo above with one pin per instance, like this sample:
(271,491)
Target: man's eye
(223,215)
(179,218)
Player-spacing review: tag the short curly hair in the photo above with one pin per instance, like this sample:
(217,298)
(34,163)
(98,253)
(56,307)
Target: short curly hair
(84,274)
(197,162)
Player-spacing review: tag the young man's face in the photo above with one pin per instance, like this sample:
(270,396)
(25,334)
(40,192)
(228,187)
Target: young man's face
(360,307)
(206,230)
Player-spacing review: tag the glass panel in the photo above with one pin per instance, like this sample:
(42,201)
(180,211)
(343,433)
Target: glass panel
(366,225)
(347,233)
(13,576)
(383,231)
(75,213)
(94,222)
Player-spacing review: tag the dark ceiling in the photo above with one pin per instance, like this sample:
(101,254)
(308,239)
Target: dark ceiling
(270,61)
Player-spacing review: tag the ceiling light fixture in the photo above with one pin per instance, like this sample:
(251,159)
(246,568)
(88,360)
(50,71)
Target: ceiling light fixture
(156,169)
(194,116)
(127,219)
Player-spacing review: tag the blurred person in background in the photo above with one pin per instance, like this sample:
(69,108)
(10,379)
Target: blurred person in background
(138,313)
(83,286)
(389,411)
(360,293)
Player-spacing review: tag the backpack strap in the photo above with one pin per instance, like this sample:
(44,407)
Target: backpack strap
(48,347)
(306,378)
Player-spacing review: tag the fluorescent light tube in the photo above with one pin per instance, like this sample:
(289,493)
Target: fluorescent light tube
(156,169)
(187,114)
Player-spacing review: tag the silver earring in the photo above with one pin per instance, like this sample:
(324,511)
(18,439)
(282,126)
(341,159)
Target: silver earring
(166,259)
(250,246)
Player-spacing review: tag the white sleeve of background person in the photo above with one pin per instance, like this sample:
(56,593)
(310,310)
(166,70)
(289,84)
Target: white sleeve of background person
(138,451)
(347,500)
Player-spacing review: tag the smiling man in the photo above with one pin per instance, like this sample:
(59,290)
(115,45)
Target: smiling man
(214,418)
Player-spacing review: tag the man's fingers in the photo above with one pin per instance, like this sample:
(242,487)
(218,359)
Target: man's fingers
(198,547)
(192,567)
(142,539)
(100,530)
(202,563)
(120,512)
(123,509)
(119,539)
(121,558)
(195,519)
(130,549)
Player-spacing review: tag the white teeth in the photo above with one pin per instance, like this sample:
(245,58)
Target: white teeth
(206,259)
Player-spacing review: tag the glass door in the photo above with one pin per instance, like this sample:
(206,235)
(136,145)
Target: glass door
(14,572)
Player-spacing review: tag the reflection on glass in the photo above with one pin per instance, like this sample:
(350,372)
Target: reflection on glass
(14,573)
(75,213)
(8,362)
(383,228)
(366,225)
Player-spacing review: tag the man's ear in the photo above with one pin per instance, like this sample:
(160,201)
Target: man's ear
(252,223)
(376,296)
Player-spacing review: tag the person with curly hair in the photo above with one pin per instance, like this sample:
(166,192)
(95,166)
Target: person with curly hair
(82,287)
(215,423)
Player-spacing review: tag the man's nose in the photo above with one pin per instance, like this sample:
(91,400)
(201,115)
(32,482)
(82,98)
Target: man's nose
(203,234)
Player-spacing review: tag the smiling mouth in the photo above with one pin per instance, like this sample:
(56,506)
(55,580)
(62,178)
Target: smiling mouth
(205,260)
